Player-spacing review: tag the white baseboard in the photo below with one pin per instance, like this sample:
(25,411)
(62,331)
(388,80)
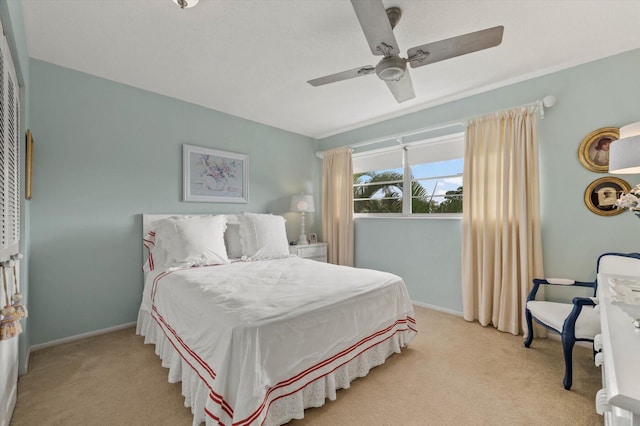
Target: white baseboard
(79,336)
(437,308)
(26,362)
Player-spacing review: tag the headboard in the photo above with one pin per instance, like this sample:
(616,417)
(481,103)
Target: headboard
(148,219)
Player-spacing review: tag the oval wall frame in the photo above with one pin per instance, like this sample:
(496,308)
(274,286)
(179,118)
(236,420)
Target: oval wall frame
(594,149)
(601,195)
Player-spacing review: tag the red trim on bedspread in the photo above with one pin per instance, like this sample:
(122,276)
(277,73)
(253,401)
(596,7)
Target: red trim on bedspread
(147,243)
(218,399)
(260,411)
(299,376)
(185,346)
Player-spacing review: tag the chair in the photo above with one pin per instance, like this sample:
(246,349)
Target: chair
(579,320)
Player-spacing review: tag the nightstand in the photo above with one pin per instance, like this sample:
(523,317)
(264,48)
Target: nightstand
(317,251)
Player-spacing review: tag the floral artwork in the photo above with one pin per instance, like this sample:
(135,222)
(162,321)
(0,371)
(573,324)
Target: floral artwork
(214,176)
(215,173)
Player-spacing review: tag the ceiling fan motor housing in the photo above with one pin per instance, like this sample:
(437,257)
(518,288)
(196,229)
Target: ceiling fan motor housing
(391,68)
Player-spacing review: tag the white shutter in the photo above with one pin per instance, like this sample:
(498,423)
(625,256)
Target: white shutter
(9,155)
(432,150)
(379,159)
(444,148)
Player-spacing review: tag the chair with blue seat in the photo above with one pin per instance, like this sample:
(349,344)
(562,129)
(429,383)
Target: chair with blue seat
(578,320)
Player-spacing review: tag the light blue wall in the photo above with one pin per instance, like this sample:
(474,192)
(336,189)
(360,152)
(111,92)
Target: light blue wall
(11,14)
(106,152)
(421,251)
(427,252)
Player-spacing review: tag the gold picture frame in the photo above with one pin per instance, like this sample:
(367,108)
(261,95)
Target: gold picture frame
(28,184)
(601,195)
(594,149)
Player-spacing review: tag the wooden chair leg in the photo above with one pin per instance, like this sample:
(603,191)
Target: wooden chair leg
(567,348)
(529,339)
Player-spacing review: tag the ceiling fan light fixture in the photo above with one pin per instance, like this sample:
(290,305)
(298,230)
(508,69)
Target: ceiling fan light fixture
(378,23)
(391,68)
(185,4)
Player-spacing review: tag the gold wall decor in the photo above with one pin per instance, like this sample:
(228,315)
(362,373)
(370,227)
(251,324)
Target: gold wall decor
(29,167)
(594,149)
(601,195)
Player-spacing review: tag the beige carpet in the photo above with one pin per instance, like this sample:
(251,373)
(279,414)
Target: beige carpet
(453,373)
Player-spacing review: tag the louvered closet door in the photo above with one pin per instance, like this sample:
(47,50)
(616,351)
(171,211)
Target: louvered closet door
(9,156)
(9,213)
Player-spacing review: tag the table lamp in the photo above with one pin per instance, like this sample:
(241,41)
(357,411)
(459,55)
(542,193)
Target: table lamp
(302,204)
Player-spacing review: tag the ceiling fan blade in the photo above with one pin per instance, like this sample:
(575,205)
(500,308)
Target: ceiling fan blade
(402,89)
(377,29)
(344,75)
(455,46)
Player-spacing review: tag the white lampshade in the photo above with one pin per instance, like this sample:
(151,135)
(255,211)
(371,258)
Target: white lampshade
(302,203)
(185,4)
(624,154)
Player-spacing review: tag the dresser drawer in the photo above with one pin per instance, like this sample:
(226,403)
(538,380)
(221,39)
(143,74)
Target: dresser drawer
(316,251)
(312,251)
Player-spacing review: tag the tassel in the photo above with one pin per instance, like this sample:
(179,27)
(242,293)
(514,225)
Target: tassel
(9,325)
(21,310)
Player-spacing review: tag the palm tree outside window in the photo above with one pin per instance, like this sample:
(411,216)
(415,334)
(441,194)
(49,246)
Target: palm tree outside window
(435,188)
(431,168)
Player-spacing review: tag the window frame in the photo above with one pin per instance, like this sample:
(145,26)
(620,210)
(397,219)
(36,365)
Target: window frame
(407,181)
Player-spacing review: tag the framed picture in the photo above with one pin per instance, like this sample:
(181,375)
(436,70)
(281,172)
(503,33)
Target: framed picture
(28,180)
(214,176)
(601,195)
(313,238)
(594,149)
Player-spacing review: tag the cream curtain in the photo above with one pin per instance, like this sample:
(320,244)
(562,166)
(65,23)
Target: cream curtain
(337,205)
(501,242)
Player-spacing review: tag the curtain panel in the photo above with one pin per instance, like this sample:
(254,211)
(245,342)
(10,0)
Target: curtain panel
(337,205)
(501,235)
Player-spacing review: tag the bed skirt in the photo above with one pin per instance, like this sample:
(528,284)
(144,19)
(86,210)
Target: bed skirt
(285,408)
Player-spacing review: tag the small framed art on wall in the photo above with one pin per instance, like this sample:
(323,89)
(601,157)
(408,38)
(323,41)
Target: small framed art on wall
(214,176)
(601,195)
(593,152)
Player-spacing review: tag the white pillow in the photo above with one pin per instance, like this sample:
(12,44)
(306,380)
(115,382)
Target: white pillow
(156,254)
(158,257)
(232,237)
(263,236)
(197,240)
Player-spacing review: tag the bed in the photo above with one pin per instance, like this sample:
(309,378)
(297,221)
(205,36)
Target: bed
(256,335)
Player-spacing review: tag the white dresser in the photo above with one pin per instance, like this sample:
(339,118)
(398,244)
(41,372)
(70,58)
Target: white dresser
(619,355)
(317,251)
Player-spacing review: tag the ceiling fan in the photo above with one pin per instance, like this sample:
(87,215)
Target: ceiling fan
(378,23)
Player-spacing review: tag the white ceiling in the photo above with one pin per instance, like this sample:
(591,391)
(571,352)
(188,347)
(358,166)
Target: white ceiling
(252,58)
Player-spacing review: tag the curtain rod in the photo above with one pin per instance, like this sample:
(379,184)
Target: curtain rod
(540,104)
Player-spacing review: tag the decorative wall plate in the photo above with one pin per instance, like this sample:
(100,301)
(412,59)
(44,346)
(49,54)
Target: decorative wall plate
(601,195)
(594,149)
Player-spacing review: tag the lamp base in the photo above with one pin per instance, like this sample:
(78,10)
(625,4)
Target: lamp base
(302,240)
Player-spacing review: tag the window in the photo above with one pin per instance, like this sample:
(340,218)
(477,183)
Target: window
(431,168)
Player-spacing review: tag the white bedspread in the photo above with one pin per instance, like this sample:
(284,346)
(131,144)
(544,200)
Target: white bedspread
(255,332)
